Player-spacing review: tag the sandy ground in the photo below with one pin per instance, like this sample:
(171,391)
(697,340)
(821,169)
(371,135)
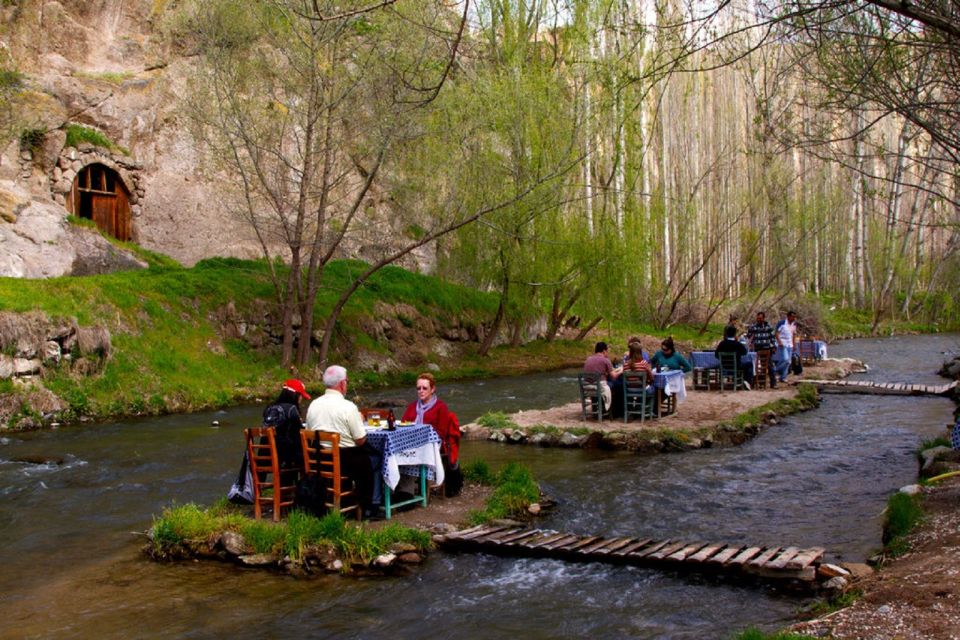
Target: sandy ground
(700,409)
(439,510)
(916,595)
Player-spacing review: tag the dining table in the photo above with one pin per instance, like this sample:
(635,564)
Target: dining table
(407,450)
(669,384)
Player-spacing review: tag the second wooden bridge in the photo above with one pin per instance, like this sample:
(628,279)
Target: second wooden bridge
(792,564)
(883,388)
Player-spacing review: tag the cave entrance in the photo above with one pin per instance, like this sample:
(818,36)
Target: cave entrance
(98,194)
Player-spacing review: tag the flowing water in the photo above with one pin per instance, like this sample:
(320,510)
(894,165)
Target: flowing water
(71,565)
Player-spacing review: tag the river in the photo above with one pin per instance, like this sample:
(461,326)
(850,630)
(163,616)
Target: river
(72,567)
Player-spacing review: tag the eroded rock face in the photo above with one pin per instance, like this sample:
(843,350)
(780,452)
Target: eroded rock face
(40,243)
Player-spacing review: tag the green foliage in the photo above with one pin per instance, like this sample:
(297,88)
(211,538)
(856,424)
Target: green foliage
(903,513)
(178,526)
(478,471)
(10,80)
(515,491)
(31,139)
(835,603)
(496,420)
(78,134)
(113,77)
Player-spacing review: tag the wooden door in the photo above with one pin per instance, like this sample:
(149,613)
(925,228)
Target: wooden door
(104,212)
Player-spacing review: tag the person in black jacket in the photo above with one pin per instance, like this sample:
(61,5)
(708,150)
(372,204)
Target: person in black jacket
(284,415)
(730,344)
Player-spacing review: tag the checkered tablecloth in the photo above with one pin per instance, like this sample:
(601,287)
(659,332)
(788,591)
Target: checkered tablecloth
(707,360)
(405,449)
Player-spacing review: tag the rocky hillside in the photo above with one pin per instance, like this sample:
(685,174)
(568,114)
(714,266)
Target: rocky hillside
(102,65)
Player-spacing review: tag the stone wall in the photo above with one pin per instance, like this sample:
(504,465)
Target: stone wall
(70,160)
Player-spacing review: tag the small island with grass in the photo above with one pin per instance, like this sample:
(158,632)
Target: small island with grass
(303,544)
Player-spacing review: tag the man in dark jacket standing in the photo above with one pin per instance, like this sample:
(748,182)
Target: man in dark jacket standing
(760,334)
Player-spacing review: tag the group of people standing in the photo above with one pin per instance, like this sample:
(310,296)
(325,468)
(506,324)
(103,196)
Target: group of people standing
(774,346)
(333,412)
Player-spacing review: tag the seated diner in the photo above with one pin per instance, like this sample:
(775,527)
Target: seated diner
(633,361)
(333,413)
(599,363)
(668,358)
(730,344)
(431,410)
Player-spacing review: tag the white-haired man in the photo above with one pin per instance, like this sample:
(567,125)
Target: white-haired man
(332,412)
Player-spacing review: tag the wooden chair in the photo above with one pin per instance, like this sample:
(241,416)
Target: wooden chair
(763,369)
(591,397)
(321,454)
(636,400)
(730,371)
(273,487)
(808,351)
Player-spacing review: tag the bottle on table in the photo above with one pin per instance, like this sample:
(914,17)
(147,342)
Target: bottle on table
(391,421)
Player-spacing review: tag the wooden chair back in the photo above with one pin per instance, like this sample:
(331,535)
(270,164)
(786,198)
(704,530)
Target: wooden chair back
(763,368)
(591,397)
(636,400)
(321,455)
(730,371)
(273,487)
(808,351)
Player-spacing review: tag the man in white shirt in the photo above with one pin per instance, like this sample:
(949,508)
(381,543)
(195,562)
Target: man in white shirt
(333,413)
(786,334)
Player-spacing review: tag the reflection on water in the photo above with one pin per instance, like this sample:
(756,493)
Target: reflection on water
(72,568)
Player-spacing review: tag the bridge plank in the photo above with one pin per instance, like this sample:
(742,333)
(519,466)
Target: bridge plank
(781,561)
(593,548)
(667,550)
(485,531)
(561,543)
(653,547)
(543,536)
(551,538)
(639,544)
(805,558)
(688,550)
(620,544)
(765,557)
(706,552)
(743,556)
(726,554)
(518,536)
(583,543)
(500,535)
(463,532)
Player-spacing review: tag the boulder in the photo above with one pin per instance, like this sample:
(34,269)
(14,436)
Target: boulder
(911,489)
(410,557)
(534,509)
(384,560)
(233,543)
(400,548)
(570,440)
(928,456)
(7,368)
(517,437)
(258,559)
(858,570)
(838,583)
(27,367)
(51,352)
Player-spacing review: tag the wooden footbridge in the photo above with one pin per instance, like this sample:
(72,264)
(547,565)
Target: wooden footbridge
(883,388)
(793,564)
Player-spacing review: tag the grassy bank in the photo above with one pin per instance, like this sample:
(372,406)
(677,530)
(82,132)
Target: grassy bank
(183,531)
(169,353)
(514,489)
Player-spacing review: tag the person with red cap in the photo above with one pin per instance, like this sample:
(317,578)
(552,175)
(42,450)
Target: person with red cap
(284,415)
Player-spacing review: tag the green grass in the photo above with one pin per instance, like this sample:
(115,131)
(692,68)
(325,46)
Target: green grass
(903,514)
(78,134)
(179,527)
(835,603)
(805,399)
(478,471)
(113,77)
(514,491)
(939,441)
(496,420)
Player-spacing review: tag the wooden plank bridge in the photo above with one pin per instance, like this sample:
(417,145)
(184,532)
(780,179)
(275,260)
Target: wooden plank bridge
(883,388)
(792,564)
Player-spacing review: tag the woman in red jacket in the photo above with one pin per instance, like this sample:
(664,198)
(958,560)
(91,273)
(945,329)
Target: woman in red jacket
(429,409)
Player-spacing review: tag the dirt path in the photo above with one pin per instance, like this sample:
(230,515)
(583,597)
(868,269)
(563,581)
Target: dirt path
(916,595)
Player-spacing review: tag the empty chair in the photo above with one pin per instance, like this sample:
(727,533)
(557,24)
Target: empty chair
(273,487)
(591,398)
(636,400)
(321,454)
(731,373)
(808,351)
(763,371)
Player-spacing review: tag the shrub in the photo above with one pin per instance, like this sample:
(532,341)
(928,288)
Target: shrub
(903,513)
(78,134)
(496,420)
(479,472)
(515,491)
(31,139)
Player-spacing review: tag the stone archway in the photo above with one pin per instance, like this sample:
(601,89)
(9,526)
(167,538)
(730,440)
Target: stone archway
(92,183)
(98,194)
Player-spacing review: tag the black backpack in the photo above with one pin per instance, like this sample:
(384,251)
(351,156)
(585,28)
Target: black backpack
(286,420)
(796,365)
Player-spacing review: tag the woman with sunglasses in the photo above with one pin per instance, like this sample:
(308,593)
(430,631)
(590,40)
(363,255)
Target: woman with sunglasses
(429,409)
(669,358)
